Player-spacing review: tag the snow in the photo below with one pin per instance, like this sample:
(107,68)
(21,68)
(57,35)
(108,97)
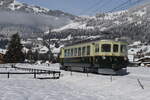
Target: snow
(37,10)
(3,51)
(25,50)
(43,49)
(140,13)
(117,22)
(130,19)
(56,50)
(103,28)
(1,3)
(26,42)
(131,58)
(73,25)
(12,6)
(40,39)
(113,15)
(44,66)
(138,47)
(88,17)
(136,43)
(78,86)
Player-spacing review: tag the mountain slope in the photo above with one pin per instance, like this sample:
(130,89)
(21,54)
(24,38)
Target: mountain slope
(133,23)
(19,17)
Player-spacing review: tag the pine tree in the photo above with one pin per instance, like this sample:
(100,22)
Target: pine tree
(57,45)
(14,53)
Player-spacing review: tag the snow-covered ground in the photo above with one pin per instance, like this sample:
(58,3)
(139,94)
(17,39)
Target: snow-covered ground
(77,87)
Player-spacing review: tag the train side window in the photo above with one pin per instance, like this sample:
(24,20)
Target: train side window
(79,51)
(68,52)
(83,51)
(75,52)
(88,50)
(123,48)
(65,52)
(96,48)
(106,48)
(71,52)
(115,48)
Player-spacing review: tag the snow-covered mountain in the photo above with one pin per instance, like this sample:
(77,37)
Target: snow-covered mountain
(132,23)
(107,20)
(31,20)
(27,19)
(14,5)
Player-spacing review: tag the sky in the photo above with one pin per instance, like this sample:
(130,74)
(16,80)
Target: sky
(85,7)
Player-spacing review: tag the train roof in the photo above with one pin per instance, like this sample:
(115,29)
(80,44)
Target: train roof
(89,41)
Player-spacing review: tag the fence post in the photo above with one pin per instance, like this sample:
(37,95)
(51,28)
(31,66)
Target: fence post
(54,75)
(140,84)
(59,74)
(87,71)
(8,74)
(34,74)
(111,78)
(70,71)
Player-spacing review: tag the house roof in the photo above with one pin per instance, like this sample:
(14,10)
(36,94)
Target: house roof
(145,57)
(3,51)
(43,49)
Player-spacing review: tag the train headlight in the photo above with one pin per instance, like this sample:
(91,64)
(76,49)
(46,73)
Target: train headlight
(103,57)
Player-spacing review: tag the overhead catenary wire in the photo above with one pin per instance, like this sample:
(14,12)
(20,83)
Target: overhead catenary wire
(101,5)
(94,6)
(125,4)
(133,3)
(122,4)
(104,4)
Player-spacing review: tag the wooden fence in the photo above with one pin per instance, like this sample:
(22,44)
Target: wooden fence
(55,74)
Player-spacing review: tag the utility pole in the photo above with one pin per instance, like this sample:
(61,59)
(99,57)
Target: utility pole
(49,43)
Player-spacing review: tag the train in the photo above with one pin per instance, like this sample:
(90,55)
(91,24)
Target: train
(101,56)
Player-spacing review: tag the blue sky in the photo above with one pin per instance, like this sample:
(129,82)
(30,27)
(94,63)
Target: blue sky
(83,7)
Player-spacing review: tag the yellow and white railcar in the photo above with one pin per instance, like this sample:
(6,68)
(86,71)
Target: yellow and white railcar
(103,56)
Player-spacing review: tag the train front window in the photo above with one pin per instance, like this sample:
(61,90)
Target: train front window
(96,48)
(106,48)
(115,48)
(123,48)
(88,50)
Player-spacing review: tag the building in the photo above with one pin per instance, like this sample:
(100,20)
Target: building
(1,58)
(2,53)
(145,61)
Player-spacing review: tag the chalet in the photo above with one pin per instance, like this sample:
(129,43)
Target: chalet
(2,53)
(1,58)
(145,61)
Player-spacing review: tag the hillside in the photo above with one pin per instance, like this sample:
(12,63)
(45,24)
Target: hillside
(27,19)
(34,21)
(132,24)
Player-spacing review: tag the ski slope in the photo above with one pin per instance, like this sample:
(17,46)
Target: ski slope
(76,87)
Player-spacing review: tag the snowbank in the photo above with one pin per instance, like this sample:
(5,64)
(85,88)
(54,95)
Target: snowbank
(78,86)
